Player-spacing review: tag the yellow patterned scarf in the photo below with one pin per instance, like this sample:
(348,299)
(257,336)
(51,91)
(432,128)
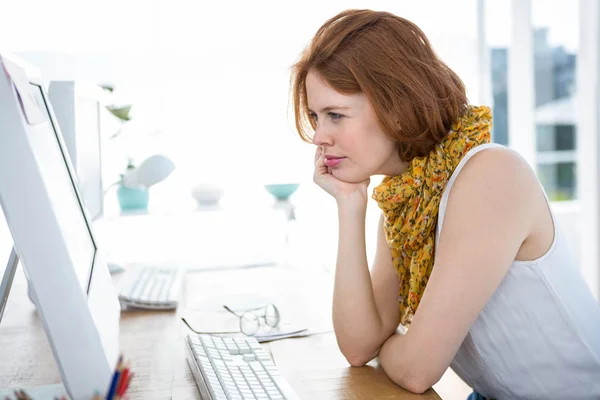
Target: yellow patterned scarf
(411,200)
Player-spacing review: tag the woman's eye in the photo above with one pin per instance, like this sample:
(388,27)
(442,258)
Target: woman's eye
(313,116)
(335,116)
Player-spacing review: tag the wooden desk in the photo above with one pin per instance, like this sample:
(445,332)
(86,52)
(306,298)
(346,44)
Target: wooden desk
(154,341)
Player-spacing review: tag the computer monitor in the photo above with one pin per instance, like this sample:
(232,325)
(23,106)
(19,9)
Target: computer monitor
(77,106)
(52,233)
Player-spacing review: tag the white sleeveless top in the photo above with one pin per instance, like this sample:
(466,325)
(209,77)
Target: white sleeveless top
(538,337)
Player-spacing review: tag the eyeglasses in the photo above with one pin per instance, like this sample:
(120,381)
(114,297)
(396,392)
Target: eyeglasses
(250,320)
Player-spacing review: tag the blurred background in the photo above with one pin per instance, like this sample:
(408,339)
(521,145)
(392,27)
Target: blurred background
(208,86)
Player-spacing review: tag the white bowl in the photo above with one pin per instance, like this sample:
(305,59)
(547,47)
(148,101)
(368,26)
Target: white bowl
(207,193)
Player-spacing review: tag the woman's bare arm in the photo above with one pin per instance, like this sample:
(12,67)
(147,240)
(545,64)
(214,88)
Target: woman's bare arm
(365,308)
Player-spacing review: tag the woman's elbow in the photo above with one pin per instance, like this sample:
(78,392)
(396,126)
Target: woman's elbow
(357,360)
(357,356)
(415,386)
(410,380)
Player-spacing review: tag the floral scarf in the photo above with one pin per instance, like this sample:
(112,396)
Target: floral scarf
(411,200)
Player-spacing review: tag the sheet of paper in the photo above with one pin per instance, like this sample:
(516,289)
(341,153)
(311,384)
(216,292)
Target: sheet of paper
(266,333)
(279,334)
(300,333)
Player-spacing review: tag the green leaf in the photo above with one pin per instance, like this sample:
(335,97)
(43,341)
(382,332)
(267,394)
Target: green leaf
(121,112)
(108,87)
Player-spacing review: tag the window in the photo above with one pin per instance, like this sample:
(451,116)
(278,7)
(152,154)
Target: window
(554,47)
(497,32)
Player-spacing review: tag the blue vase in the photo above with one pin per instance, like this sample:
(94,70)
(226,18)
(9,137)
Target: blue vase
(282,192)
(132,198)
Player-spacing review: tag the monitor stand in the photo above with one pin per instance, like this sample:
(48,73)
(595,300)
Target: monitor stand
(9,276)
(34,392)
(7,280)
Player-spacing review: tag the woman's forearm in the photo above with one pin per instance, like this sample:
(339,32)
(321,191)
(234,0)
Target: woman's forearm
(356,320)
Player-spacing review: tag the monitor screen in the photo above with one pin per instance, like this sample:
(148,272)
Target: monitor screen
(52,162)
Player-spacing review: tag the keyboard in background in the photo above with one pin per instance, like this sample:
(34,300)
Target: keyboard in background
(235,369)
(152,288)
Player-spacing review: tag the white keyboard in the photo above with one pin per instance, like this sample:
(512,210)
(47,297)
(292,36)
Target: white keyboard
(152,288)
(235,369)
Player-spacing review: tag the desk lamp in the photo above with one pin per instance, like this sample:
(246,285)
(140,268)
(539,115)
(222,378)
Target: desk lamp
(151,171)
(134,183)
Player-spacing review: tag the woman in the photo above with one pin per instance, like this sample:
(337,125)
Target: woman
(494,294)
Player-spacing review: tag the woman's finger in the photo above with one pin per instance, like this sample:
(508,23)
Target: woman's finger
(320,171)
(320,166)
(318,153)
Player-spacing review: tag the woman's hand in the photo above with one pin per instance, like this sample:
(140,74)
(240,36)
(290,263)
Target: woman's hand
(342,191)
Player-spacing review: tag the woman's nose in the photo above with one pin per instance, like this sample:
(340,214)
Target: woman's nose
(321,137)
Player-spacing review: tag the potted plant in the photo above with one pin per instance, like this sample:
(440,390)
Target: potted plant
(135,181)
(132,196)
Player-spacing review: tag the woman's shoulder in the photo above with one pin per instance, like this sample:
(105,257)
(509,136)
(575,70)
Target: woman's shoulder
(498,176)
(492,154)
(498,165)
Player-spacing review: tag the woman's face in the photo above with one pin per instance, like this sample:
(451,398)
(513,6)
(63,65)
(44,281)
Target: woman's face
(347,129)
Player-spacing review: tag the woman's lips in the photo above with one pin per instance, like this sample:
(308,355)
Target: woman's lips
(333,161)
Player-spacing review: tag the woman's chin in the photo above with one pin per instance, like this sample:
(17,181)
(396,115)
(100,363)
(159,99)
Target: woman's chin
(348,176)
